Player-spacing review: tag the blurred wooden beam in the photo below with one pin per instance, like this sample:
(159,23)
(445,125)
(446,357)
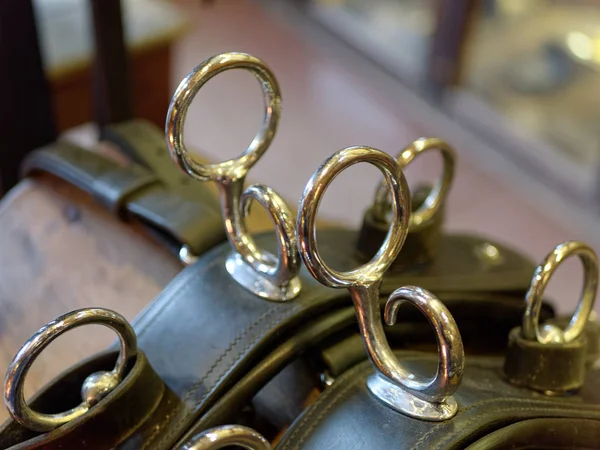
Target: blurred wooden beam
(454,19)
(26,114)
(111,75)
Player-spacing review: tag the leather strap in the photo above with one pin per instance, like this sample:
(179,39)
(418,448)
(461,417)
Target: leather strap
(144,143)
(108,423)
(204,333)
(133,192)
(347,417)
(543,434)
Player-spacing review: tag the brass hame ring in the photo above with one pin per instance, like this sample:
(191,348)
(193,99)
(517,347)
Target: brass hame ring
(533,300)
(228,436)
(236,168)
(96,385)
(436,197)
(306,222)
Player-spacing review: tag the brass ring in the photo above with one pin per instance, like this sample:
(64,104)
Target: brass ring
(17,371)
(533,300)
(228,436)
(309,204)
(234,168)
(436,197)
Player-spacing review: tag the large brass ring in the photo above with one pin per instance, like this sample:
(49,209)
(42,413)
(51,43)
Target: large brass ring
(232,169)
(309,205)
(105,381)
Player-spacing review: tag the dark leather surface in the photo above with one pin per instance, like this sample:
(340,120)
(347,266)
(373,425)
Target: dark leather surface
(144,143)
(204,333)
(556,367)
(346,416)
(134,401)
(133,192)
(543,434)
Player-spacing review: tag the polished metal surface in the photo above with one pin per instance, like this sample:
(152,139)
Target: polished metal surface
(437,196)
(94,388)
(257,270)
(393,379)
(228,436)
(186,256)
(533,300)
(421,397)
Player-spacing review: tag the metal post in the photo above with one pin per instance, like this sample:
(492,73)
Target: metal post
(26,111)
(111,77)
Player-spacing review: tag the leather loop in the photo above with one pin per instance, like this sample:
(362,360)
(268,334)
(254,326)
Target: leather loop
(133,192)
(421,245)
(112,189)
(106,424)
(144,143)
(545,367)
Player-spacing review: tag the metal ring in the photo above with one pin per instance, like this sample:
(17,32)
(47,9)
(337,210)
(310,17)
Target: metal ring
(274,278)
(436,197)
(309,204)
(533,299)
(17,371)
(232,169)
(450,346)
(226,436)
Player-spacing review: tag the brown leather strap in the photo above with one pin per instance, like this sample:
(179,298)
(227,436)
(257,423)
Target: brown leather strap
(144,143)
(133,192)
(486,402)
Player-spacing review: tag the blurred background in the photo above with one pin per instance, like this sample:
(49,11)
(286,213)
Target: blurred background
(513,85)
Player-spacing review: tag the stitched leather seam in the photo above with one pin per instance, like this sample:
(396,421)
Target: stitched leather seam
(306,419)
(451,435)
(194,388)
(494,400)
(159,428)
(181,288)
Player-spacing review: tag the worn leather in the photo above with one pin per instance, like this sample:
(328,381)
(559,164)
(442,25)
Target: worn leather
(433,253)
(144,143)
(555,367)
(346,416)
(139,397)
(204,333)
(134,193)
(546,434)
